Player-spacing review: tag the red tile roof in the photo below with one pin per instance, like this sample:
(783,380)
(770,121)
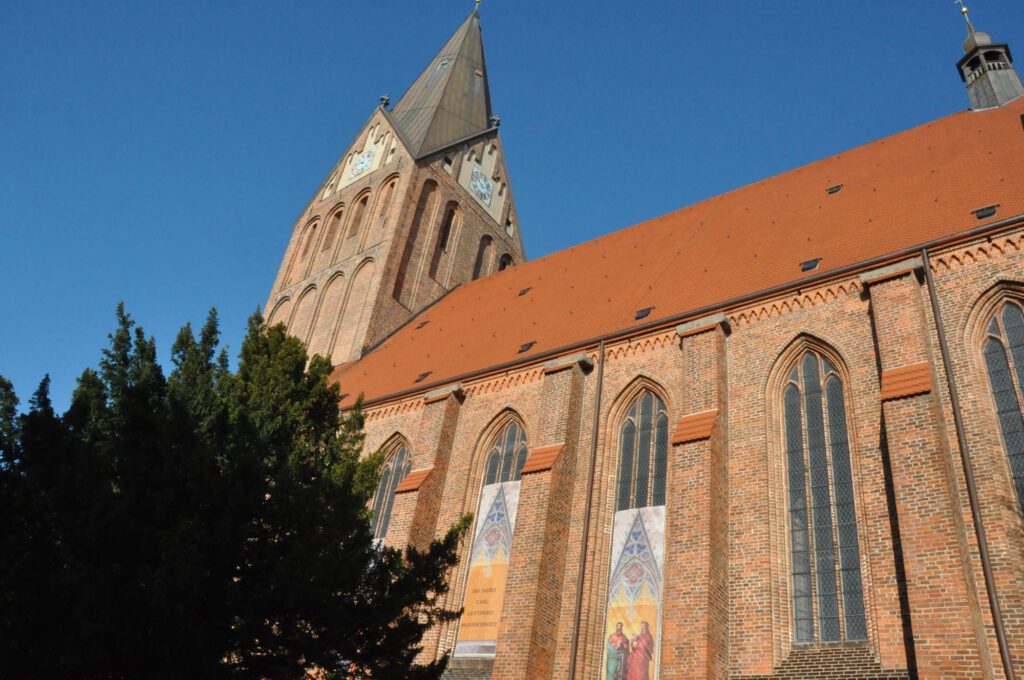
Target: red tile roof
(899,192)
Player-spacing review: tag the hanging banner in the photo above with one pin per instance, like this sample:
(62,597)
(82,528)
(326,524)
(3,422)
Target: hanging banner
(633,623)
(488,570)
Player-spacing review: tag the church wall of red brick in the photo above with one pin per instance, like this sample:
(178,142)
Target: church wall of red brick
(727,583)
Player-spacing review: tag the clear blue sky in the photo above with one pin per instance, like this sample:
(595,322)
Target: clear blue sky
(158,153)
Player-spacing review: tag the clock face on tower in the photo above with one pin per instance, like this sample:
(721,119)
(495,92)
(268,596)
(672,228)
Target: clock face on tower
(481,187)
(362,162)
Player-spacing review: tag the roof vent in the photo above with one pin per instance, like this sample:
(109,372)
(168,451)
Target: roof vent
(526,346)
(987,211)
(834,189)
(643,313)
(422,324)
(422,376)
(524,291)
(810,265)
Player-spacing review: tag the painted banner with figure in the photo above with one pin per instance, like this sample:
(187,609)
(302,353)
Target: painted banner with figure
(488,570)
(633,623)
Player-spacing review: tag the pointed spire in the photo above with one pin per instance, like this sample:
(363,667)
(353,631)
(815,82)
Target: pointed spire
(450,100)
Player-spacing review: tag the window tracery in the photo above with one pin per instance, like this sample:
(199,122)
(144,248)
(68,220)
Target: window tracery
(393,472)
(507,455)
(643,454)
(1004,361)
(827,593)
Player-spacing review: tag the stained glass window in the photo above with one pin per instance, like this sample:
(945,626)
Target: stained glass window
(507,455)
(643,454)
(394,471)
(1004,358)
(828,599)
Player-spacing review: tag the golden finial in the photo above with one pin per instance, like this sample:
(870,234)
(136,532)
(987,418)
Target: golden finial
(963,10)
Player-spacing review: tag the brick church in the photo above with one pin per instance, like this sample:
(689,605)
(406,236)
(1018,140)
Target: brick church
(775,434)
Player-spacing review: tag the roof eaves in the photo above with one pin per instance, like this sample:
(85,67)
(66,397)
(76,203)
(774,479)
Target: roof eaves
(457,142)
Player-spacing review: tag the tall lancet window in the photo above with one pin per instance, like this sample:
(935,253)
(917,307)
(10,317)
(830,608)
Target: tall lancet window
(633,616)
(828,599)
(507,455)
(1004,358)
(492,542)
(395,469)
(643,454)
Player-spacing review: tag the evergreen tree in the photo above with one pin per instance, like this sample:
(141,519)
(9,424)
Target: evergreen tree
(205,524)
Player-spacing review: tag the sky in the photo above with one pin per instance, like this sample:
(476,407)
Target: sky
(159,153)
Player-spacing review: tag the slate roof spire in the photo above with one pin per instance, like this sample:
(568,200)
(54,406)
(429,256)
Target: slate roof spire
(450,100)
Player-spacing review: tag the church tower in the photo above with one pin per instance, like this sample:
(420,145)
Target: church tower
(987,68)
(419,203)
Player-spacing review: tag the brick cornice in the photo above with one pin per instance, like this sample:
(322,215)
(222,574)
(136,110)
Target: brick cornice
(906,381)
(892,271)
(542,458)
(702,325)
(414,480)
(443,393)
(561,363)
(695,427)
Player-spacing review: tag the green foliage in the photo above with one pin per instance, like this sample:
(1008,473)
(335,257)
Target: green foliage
(205,524)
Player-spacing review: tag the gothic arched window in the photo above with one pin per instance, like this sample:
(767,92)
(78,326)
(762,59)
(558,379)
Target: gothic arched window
(302,249)
(357,219)
(643,454)
(385,203)
(828,599)
(506,456)
(483,256)
(332,229)
(443,237)
(505,262)
(1004,358)
(310,238)
(394,471)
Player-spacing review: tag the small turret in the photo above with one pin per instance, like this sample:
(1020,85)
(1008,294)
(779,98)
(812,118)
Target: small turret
(987,68)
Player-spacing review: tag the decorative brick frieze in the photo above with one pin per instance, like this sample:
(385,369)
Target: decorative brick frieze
(789,303)
(979,251)
(640,345)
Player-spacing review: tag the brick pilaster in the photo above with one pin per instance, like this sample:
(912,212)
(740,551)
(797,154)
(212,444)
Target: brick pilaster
(695,606)
(940,590)
(529,620)
(415,511)
(414,519)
